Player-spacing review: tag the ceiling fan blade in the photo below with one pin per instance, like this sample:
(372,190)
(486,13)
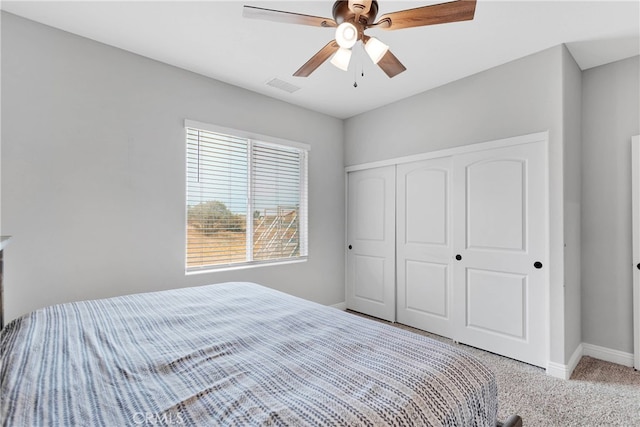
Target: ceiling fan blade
(286,17)
(460,10)
(391,65)
(317,59)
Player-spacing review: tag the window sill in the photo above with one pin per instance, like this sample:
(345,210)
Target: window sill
(243,266)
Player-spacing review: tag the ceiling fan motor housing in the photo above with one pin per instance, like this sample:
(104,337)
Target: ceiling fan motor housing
(342,13)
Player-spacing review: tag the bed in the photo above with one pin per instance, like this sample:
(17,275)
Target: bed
(231,354)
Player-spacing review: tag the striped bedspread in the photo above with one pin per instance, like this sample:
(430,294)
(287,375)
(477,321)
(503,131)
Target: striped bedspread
(231,354)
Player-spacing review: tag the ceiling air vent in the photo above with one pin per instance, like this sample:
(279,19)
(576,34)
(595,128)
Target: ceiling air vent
(282,85)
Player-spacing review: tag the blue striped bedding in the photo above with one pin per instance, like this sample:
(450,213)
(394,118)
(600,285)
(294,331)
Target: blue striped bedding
(231,354)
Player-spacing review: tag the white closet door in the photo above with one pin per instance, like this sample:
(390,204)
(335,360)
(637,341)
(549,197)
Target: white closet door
(424,246)
(500,244)
(371,242)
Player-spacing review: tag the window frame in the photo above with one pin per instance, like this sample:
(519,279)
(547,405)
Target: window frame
(252,138)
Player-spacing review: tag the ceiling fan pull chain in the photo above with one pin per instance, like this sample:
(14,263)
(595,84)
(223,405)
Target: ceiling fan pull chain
(355,72)
(355,76)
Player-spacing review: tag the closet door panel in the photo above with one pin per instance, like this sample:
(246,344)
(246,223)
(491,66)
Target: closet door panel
(427,287)
(424,245)
(369,277)
(501,247)
(496,217)
(425,199)
(505,315)
(371,242)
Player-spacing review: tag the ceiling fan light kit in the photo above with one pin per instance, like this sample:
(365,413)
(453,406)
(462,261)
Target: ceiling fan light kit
(341,58)
(353,17)
(375,49)
(346,35)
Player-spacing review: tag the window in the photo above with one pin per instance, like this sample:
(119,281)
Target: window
(246,198)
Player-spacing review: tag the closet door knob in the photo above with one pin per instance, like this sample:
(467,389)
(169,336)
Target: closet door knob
(537,264)
(638,266)
(350,247)
(458,257)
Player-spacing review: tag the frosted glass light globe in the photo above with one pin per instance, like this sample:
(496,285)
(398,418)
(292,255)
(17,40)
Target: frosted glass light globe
(346,35)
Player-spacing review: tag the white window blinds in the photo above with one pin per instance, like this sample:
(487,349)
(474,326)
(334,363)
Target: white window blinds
(246,200)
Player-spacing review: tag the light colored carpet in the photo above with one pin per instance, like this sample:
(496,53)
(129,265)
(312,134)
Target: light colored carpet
(598,394)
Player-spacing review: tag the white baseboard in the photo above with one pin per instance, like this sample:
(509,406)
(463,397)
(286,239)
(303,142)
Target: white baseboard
(559,370)
(340,306)
(575,359)
(607,354)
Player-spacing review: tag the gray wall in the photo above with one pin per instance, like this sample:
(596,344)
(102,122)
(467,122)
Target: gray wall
(520,97)
(611,116)
(516,98)
(93,172)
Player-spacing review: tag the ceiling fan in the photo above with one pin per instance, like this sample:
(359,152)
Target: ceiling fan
(351,18)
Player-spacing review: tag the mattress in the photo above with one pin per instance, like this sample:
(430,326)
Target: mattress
(231,354)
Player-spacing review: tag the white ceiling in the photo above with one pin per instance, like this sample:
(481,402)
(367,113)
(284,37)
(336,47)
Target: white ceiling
(212,38)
